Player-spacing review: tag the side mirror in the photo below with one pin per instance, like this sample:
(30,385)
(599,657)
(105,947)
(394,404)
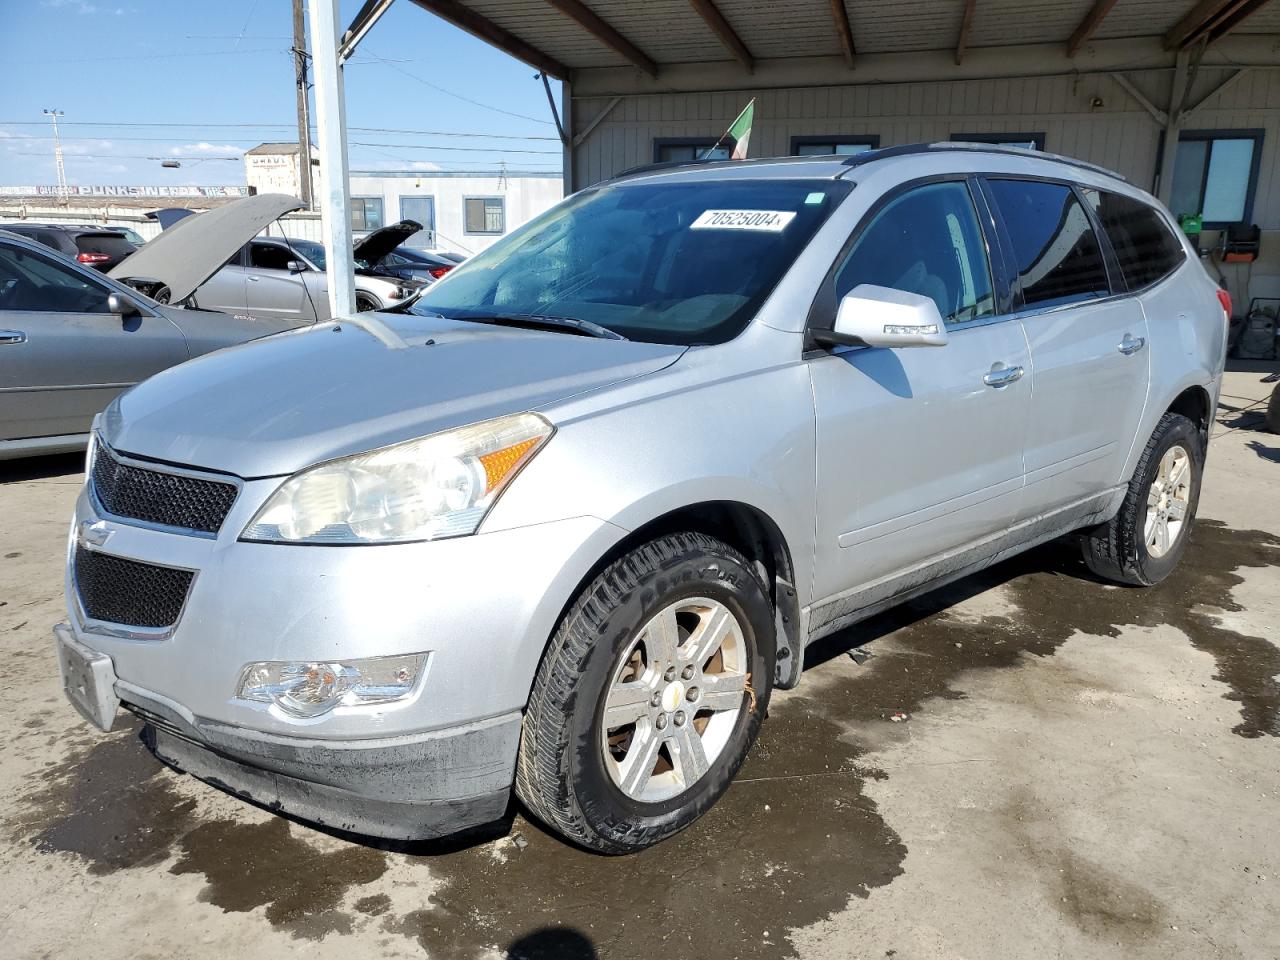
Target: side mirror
(297,266)
(883,317)
(122,305)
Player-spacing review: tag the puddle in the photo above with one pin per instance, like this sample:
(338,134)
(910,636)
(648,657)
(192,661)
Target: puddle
(791,843)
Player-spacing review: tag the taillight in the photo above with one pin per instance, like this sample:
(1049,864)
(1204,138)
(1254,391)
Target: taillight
(1224,298)
(438,272)
(93,257)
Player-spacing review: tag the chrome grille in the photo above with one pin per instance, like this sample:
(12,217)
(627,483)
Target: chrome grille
(128,592)
(154,496)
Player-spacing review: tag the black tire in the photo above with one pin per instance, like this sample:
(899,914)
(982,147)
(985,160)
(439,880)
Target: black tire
(1117,550)
(162,295)
(1273,411)
(365,303)
(561,774)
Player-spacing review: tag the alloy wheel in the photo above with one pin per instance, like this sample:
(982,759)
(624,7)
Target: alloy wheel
(1168,501)
(674,699)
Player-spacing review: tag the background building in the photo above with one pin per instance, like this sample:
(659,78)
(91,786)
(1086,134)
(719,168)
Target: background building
(275,168)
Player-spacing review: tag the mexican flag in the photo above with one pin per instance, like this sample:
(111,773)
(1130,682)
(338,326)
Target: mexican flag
(738,135)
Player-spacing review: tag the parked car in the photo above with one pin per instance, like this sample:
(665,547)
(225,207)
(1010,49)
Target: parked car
(133,236)
(568,528)
(279,277)
(410,264)
(93,246)
(72,339)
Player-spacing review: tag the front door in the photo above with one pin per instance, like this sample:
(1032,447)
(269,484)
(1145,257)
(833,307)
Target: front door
(919,449)
(63,355)
(271,288)
(1088,348)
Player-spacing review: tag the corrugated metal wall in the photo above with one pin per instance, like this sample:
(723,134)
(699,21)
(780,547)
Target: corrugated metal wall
(1119,134)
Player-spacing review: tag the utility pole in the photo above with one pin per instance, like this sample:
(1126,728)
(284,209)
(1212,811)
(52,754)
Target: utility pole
(53,115)
(331,123)
(304,108)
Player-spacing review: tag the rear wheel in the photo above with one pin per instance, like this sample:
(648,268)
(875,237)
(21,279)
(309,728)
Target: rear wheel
(1144,541)
(649,696)
(365,302)
(1273,411)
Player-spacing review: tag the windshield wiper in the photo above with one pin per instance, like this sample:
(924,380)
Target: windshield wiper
(584,328)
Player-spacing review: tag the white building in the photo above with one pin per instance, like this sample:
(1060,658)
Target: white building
(464,211)
(274,168)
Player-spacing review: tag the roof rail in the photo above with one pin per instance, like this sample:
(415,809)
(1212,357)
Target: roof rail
(916,149)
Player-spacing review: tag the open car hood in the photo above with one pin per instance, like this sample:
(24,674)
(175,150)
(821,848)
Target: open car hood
(195,248)
(385,239)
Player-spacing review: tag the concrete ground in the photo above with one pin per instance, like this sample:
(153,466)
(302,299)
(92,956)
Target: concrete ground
(1084,771)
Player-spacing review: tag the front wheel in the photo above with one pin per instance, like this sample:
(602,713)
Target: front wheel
(365,303)
(649,696)
(1144,541)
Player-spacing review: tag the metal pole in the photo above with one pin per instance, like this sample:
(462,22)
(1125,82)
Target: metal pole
(331,123)
(57,154)
(304,106)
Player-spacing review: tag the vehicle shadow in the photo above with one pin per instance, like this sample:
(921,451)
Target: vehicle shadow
(1060,556)
(1265,452)
(70,465)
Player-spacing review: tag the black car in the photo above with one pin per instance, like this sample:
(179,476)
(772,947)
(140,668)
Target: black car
(410,264)
(92,246)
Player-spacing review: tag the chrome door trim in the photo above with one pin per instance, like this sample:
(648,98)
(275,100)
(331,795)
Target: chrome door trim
(12,336)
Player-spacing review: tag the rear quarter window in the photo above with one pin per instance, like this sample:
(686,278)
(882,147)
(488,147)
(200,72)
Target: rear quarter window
(1143,242)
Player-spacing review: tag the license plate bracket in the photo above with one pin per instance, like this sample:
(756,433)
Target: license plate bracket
(88,679)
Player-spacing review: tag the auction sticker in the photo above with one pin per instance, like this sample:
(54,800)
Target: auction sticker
(771,221)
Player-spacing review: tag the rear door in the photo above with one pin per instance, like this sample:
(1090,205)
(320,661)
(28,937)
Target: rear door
(63,355)
(272,289)
(919,450)
(1087,339)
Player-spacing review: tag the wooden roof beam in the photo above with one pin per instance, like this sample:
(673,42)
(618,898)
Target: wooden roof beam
(841,18)
(709,12)
(966,22)
(485,29)
(1092,20)
(585,17)
(1202,15)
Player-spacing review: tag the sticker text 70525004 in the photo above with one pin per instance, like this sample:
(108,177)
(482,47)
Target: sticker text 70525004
(772,221)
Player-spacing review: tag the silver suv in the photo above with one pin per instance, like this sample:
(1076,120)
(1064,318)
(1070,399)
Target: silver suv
(568,526)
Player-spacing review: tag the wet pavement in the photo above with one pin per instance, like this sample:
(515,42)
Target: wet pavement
(1027,761)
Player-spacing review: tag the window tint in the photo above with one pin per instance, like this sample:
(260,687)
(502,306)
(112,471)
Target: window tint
(31,282)
(837,146)
(1144,245)
(926,241)
(366,213)
(684,152)
(110,244)
(267,256)
(1056,253)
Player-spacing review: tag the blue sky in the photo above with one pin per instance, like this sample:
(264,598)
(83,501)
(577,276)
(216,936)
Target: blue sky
(197,72)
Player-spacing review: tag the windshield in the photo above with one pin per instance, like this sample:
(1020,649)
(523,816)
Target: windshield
(682,263)
(311,250)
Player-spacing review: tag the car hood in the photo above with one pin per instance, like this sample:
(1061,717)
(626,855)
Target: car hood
(283,403)
(192,250)
(382,241)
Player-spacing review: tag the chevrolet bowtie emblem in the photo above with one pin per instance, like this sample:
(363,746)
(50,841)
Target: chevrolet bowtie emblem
(93,534)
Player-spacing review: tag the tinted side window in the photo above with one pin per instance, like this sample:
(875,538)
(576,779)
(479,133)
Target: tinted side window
(1057,255)
(267,256)
(1144,245)
(31,282)
(926,241)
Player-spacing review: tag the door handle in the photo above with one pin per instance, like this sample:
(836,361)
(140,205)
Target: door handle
(1002,376)
(1131,344)
(255,279)
(12,336)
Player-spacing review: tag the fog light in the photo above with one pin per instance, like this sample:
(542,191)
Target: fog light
(312,688)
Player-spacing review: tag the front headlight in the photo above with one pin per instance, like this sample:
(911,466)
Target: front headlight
(438,486)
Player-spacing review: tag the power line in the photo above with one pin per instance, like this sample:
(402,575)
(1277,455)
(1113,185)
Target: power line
(354,143)
(281,126)
(427,83)
(149,56)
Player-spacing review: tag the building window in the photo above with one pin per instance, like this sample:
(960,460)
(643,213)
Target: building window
(837,145)
(1215,174)
(484,214)
(684,149)
(366,213)
(1029,141)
